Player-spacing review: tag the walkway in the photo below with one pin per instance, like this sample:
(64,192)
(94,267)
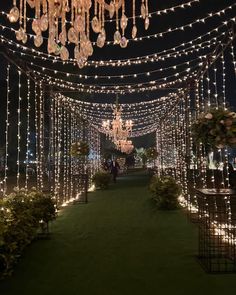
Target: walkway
(116,245)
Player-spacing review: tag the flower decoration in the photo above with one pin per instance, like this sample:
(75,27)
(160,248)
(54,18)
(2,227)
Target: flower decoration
(80,149)
(216,128)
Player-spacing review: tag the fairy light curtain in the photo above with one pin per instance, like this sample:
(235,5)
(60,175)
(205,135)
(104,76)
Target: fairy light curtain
(38,133)
(192,164)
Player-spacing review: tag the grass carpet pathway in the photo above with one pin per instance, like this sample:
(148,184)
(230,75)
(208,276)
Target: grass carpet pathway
(117,244)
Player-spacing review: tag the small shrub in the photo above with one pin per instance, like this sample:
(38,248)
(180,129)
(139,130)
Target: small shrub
(21,216)
(101,179)
(165,192)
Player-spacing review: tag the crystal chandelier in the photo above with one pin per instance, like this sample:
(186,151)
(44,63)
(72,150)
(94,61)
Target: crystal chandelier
(125,146)
(117,130)
(69,21)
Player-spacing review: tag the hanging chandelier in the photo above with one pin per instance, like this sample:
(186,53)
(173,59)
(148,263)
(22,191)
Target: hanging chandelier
(117,130)
(125,146)
(69,21)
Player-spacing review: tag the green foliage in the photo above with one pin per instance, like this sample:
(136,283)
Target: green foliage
(141,153)
(80,149)
(151,153)
(216,128)
(101,179)
(21,216)
(165,192)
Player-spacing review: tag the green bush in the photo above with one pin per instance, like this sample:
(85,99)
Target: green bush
(21,216)
(101,179)
(165,192)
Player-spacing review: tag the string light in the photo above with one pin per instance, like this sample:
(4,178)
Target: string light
(160,34)
(18,130)
(41,136)
(7,130)
(151,14)
(132,61)
(122,76)
(27,135)
(36,104)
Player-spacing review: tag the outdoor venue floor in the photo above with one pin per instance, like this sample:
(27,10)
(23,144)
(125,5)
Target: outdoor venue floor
(117,244)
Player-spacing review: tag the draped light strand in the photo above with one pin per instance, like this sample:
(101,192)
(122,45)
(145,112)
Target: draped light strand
(79,32)
(123,76)
(151,14)
(81,59)
(131,61)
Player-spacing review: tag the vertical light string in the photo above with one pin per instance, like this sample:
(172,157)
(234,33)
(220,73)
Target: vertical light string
(68,135)
(7,131)
(52,146)
(36,134)
(27,153)
(184,145)
(57,158)
(208,89)
(64,131)
(73,169)
(59,149)
(216,98)
(70,157)
(201,148)
(191,181)
(18,131)
(233,55)
(56,150)
(58,155)
(222,58)
(41,135)
(195,149)
(226,156)
(98,150)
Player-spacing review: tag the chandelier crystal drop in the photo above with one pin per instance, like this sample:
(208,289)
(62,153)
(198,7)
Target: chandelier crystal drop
(117,130)
(125,146)
(71,21)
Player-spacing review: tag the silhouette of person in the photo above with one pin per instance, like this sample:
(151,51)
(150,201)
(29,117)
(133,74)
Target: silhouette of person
(114,169)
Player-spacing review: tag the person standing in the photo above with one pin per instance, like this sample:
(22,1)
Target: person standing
(114,169)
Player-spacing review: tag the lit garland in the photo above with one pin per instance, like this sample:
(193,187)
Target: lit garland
(49,14)
(122,89)
(170,30)
(99,114)
(159,12)
(132,61)
(123,76)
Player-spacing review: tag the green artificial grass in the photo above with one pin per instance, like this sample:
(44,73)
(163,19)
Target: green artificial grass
(117,244)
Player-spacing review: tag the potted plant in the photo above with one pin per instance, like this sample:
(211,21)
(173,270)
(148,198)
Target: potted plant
(165,192)
(101,179)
